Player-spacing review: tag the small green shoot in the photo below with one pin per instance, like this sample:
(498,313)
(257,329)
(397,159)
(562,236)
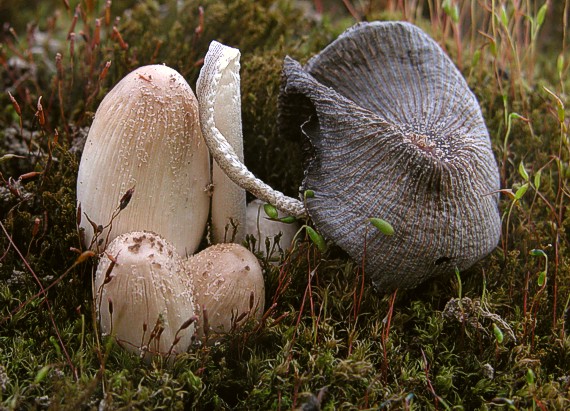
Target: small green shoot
(55,344)
(499,336)
(530,377)
(288,220)
(542,274)
(308,194)
(560,66)
(459,286)
(521,191)
(541,15)
(452,10)
(537,180)
(10,156)
(42,373)
(536,23)
(522,171)
(559,105)
(270,211)
(510,118)
(504,17)
(272,214)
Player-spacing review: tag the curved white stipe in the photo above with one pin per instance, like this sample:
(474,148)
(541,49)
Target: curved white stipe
(218,96)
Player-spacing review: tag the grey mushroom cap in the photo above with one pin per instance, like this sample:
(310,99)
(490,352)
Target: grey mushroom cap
(395,133)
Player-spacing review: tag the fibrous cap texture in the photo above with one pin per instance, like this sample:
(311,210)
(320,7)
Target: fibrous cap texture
(229,285)
(146,135)
(143,295)
(395,133)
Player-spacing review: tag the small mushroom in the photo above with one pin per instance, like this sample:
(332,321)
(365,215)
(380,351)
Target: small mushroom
(263,229)
(229,288)
(143,296)
(228,199)
(146,135)
(396,134)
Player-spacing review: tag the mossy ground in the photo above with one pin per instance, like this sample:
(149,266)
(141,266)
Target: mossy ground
(491,338)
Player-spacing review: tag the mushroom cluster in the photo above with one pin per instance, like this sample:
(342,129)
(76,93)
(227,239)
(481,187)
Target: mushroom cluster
(395,134)
(143,191)
(155,302)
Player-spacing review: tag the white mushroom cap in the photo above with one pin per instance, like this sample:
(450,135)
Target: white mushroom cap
(228,283)
(146,134)
(262,228)
(144,290)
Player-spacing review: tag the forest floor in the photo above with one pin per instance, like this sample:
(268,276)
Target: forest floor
(492,337)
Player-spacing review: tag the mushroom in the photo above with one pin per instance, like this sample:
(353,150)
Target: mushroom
(396,134)
(143,296)
(146,135)
(229,288)
(221,67)
(153,301)
(265,230)
(228,199)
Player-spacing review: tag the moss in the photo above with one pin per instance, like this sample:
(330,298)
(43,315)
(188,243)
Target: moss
(327,342)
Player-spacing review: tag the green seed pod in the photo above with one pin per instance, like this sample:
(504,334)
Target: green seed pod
(270,211)
(317,239)
(384,226)
(498,333)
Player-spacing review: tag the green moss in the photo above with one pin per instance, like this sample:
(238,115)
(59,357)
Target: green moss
(327,338)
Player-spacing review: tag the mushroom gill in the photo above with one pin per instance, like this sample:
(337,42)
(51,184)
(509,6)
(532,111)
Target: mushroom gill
(395,133)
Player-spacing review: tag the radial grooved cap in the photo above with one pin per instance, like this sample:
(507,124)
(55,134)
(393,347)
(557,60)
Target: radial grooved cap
(396,134)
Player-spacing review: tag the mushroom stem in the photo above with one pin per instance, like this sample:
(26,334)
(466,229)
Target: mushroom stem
(228,199)
(221,66)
